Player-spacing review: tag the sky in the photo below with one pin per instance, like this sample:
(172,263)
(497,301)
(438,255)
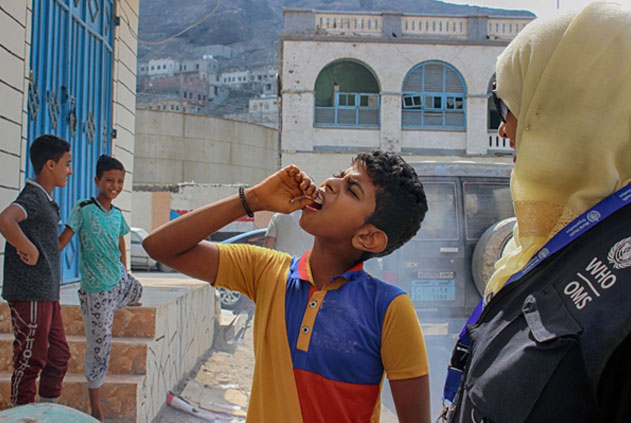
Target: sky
(538,7)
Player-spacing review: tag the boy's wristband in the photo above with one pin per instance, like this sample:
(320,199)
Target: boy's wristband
(244,202)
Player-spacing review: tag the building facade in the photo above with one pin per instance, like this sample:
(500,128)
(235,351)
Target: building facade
(190,87)
(235,78)
(264,110)
(162,67)
(50,84)
(418,85)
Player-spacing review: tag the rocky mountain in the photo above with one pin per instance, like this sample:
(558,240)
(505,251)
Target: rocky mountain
(252,27)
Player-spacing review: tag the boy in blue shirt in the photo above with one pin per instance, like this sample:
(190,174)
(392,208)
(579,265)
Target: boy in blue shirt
(106,285)
(326,333)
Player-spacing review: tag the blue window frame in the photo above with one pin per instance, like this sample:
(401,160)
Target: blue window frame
(433,96)
(350,109)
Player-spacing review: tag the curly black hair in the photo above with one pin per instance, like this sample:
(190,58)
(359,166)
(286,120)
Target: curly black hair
(400,199)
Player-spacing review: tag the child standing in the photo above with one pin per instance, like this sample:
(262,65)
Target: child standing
(326,332)
(106,285)
(32,276)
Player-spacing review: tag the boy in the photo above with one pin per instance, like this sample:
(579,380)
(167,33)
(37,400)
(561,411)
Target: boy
(325,330)
(32,276)
(106,286)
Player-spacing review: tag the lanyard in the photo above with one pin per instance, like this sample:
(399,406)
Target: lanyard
(571,232)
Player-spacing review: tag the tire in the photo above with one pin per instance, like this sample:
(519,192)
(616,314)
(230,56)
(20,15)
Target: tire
(489,249)
(230,300)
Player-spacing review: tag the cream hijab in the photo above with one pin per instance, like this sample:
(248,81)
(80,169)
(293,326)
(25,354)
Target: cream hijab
(568,82)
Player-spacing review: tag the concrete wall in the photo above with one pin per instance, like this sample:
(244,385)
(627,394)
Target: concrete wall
(176,147)
(15,46)
(152,208)
(124,100)
(15,39)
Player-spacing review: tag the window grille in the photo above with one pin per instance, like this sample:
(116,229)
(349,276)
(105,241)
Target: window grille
(433,96)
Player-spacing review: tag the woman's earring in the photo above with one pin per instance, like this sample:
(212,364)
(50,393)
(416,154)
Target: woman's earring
(504,134)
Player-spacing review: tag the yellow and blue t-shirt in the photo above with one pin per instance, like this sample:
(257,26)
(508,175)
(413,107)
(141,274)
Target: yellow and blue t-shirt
(321,354)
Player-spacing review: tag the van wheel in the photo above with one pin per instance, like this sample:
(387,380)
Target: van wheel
(489,249)
(230,300)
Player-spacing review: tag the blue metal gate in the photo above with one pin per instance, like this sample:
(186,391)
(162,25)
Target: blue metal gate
(70,94)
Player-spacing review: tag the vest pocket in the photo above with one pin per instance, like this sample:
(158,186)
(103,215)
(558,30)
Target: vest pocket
(511,365)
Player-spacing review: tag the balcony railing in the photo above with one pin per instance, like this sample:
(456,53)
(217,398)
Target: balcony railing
(498,144)
(435,26)
(505,28)
(335,23)
(304,21)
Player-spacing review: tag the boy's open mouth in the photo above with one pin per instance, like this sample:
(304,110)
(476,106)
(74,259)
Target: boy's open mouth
(315,206)
(317,203)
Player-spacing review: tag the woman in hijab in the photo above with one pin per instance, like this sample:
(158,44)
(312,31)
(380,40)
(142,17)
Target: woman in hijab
(552,343)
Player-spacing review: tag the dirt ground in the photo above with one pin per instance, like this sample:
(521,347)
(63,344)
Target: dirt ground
(223,379)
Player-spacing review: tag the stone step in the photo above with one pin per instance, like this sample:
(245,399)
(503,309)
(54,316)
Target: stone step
(120,395)
(128,355)
(128,322)
(167,334)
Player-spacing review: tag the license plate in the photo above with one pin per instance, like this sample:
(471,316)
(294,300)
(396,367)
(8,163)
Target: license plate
(433,290)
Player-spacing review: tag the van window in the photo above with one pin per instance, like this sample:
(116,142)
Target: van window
(484,203)
(441,222)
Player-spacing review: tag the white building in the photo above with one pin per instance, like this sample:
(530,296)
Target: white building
(264,110)
(162,67)
(235,78)
(204,67)
(263,75)
(418,85)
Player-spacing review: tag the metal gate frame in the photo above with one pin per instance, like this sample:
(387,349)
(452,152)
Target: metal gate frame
(70,94)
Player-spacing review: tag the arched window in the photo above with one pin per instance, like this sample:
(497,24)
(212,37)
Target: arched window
(346,94)
(433,97)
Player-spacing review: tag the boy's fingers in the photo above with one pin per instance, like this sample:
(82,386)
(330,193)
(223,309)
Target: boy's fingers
(308,188)
(292,170)
(26,258)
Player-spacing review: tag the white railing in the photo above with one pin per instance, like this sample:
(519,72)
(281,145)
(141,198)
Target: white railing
(349,24)
(432,25)
(498,144)
(505,28)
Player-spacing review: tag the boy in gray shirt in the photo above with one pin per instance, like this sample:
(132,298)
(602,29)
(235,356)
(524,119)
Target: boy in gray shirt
(32,275)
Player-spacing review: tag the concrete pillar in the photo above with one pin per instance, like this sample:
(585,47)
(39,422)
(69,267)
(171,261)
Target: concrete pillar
(477,27)
(390,131)
(297,117)
(477,132)
(299,21)
(391,24)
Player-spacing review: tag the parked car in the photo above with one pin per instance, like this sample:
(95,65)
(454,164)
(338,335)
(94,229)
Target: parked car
(139,257)
(231,300)
(445,267)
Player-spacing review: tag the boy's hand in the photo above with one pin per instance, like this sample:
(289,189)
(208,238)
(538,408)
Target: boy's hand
(29,257)
(286,191)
